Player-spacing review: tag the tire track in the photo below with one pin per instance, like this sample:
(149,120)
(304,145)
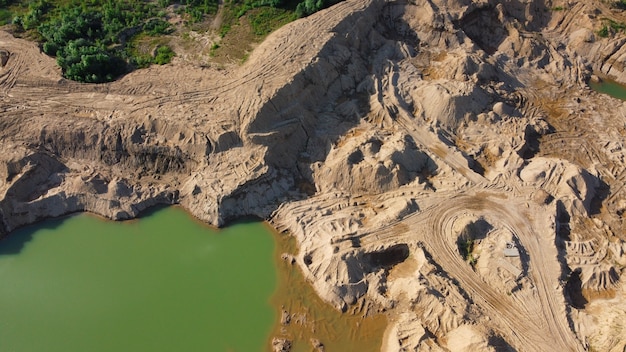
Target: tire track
(274,65)
(14,67)
(547,331)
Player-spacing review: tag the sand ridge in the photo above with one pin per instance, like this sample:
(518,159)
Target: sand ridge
(377,133)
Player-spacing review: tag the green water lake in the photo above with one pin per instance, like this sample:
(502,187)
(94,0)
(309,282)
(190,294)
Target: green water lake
(162,283)
(609,87)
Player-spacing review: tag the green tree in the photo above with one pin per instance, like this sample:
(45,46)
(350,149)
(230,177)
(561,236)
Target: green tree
(308,7)
(83,61)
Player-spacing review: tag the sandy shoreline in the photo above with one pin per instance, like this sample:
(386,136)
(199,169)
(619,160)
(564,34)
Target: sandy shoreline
(375,133)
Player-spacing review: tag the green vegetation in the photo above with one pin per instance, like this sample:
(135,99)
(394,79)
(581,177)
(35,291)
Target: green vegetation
(267,19)
(97,41)
(466,247)
(90,38)
(558,8)
(196,9)
(617,26)
(604,31)
(308,7)
(93,40)
(157,26)
(611,27)
(214,47)
(259,11)
(145,50)
(266,16)
(5,16)
(164,55)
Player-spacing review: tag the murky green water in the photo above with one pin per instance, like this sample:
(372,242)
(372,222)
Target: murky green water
(164,283)
(609,87)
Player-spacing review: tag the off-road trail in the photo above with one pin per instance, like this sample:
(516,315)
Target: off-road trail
(444,163)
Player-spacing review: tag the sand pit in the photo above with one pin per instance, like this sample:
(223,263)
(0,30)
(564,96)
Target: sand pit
(374,132)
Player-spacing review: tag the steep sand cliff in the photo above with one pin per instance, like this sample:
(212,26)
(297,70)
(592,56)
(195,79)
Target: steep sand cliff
(407,145)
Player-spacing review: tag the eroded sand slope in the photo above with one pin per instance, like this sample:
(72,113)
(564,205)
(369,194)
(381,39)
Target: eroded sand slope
(381,134)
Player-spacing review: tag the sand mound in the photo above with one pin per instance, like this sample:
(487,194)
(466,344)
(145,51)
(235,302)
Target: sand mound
(379,134)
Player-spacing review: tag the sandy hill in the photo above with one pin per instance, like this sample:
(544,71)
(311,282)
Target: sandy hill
(443,161)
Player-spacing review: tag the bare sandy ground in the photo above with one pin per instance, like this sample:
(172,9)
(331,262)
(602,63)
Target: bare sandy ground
(382,136)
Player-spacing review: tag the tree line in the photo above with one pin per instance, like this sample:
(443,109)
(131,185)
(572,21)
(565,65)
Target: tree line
(91,39)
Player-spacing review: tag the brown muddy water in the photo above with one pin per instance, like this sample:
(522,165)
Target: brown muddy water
(313,319)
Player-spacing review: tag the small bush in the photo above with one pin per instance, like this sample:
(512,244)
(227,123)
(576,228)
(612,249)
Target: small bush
(466,247)
(617,26)
(611,27)
(309,7)
(224,30)
(142,61)
(214,48)
(156,27)
(164,55)
(84,61)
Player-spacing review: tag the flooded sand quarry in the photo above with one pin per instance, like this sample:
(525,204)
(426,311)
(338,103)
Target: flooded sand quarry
(161,283)
(610,87)
(377,135)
